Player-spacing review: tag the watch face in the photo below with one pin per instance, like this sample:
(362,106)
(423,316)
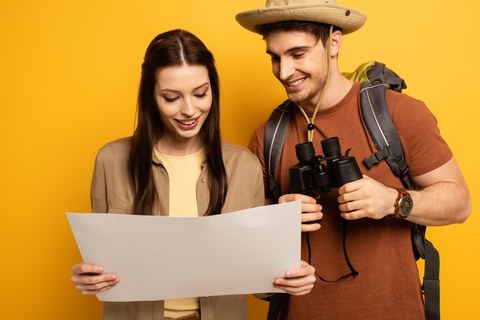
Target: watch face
(405,206)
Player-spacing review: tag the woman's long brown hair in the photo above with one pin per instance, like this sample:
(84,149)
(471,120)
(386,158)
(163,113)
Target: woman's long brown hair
(172,48)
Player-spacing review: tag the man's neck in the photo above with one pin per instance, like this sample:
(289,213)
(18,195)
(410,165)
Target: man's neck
(336,89)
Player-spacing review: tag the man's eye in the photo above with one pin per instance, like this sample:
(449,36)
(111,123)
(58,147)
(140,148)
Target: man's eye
(298,55)
(274,58)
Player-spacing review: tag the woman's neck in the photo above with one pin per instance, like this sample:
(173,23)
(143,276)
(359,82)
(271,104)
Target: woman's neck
(179,147)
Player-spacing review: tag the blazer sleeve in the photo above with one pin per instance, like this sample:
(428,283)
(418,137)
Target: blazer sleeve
(98,189)
(259,191)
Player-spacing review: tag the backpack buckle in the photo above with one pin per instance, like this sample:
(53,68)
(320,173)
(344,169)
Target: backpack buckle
(377,157)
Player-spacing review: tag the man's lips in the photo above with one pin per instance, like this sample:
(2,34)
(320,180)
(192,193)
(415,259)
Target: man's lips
(293,86)
(296,82)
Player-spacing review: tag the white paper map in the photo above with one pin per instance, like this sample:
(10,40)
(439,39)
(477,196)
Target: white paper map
(158,257)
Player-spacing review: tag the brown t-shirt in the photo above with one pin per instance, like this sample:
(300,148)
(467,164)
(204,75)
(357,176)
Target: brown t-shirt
(388,285)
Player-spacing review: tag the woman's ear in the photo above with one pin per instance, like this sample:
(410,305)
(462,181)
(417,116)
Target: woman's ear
(335,43)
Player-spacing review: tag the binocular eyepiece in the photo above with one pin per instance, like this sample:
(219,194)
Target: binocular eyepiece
(318,174)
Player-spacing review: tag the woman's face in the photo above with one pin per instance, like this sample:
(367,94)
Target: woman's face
(184,98)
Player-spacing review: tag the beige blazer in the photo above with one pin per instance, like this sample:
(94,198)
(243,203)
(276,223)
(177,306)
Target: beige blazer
(112,192)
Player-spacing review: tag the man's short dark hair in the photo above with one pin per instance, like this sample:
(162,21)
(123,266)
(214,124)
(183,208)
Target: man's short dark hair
(319,30)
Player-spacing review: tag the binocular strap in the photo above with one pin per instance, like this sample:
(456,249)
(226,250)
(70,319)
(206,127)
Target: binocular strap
(353,272)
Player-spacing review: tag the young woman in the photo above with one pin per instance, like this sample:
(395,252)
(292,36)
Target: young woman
(175,164)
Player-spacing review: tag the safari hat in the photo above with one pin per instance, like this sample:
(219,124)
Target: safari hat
(324,11)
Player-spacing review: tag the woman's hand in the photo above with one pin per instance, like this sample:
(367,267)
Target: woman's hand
(298,281)
(89,279)
(311,210)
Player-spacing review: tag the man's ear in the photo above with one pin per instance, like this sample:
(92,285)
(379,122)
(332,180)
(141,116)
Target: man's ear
(335,43)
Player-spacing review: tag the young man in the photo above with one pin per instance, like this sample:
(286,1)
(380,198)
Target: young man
(303,39)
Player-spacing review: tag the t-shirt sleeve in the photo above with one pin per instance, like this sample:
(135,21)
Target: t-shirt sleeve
(256,146)
(425,149)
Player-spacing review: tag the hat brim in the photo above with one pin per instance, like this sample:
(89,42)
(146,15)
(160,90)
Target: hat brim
(346,18)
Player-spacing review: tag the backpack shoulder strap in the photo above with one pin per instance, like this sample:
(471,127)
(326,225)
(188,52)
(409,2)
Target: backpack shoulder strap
(384,134)
(380,126)
(273,139)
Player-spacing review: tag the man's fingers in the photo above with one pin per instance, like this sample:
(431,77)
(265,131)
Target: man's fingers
(297,196)
(311,217)
(309,227)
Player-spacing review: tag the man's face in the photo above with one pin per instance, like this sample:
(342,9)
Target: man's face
(299,62)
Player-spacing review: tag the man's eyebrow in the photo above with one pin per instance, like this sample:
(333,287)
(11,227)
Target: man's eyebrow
(290,50)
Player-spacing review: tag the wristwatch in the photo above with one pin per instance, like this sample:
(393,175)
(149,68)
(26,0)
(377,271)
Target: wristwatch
(403,204)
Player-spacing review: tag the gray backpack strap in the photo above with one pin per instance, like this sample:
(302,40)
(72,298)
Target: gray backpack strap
(384,134)
(380,126)
(431,281)
(273,139)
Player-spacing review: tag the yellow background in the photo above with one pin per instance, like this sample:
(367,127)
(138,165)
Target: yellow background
(69,74)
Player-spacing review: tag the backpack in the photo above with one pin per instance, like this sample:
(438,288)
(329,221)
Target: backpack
(376,79)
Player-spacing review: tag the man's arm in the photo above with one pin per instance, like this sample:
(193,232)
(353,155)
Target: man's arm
(442,198)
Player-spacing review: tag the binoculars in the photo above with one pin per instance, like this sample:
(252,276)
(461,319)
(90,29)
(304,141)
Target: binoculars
(315,174)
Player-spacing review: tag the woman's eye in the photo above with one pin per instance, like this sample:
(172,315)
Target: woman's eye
(170,99)
(201,95)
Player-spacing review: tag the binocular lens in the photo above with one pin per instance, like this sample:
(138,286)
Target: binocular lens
(305,152)
(331,147)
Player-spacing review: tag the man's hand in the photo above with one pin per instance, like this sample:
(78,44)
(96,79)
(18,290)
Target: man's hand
(311,210)
(441,198)
(366,198)
(298,281)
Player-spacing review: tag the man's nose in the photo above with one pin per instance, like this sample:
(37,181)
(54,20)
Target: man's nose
(286,69)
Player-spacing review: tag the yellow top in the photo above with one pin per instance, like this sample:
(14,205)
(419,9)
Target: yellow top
(183,175)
